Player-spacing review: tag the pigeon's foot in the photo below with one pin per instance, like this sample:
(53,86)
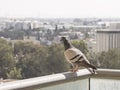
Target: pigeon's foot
(94,71)
(74,69)
(71,70)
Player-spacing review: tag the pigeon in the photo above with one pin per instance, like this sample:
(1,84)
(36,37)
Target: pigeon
(75,57)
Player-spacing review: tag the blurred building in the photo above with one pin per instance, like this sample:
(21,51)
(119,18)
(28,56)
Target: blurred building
(115,25)
(22,26)
(107,39)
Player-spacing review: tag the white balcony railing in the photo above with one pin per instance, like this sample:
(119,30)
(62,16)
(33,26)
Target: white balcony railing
(105,79)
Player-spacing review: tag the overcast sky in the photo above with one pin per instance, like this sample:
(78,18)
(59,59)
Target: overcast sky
(60,8)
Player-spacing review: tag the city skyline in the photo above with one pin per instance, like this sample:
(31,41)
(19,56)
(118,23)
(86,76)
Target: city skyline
(59,8)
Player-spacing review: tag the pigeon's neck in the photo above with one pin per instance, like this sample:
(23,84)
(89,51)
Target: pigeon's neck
(67,45)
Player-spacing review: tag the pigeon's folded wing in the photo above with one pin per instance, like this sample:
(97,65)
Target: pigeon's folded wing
(73,54)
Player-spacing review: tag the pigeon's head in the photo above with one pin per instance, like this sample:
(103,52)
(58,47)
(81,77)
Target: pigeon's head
(63,39)
(66,43)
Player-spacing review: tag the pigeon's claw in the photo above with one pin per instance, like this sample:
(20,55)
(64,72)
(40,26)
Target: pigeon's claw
(74,69)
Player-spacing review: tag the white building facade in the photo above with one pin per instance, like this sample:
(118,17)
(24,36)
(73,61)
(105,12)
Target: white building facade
(107,39)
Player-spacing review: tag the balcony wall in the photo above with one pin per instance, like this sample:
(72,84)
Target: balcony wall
(105,79)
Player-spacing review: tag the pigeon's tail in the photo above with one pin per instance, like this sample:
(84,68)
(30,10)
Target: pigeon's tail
(92,66)
(93,69)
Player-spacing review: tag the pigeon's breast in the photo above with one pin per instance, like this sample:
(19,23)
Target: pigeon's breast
(72,54)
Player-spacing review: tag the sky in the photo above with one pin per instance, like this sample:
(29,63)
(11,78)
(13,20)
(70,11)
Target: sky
(60,8)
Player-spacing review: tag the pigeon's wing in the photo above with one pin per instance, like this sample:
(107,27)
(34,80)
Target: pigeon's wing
(69,54)
(85,59)
(73,54)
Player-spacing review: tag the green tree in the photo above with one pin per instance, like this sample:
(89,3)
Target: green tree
(15,74)
(37,60)
(7,61)
(81,45)
(31,59)
(109,59)
(56,60)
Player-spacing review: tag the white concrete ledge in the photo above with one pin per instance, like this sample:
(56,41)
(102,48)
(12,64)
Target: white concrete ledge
(42,80)
(108,72)
(56,77)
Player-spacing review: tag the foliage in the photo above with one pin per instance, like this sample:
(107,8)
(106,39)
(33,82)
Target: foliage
(31,59)
(56,60)
(28,60)
(80,44)
(109,59)
(7,61)
(14,74)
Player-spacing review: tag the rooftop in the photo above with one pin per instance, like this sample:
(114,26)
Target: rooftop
(108,31)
